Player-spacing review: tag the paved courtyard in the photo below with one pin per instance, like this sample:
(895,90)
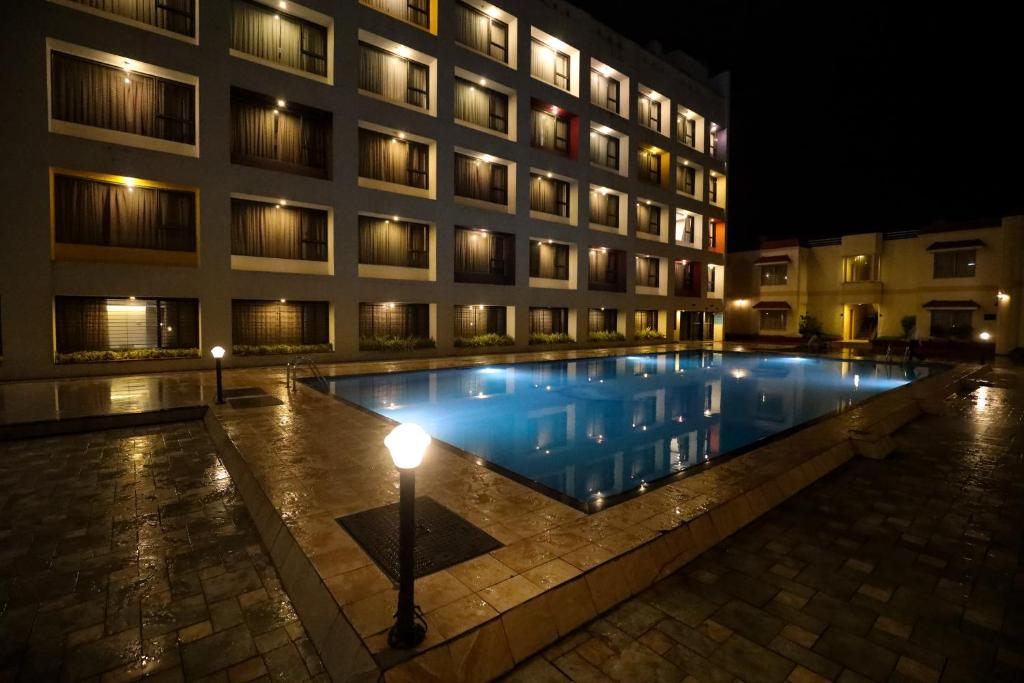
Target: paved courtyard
(907,569)
(126,554)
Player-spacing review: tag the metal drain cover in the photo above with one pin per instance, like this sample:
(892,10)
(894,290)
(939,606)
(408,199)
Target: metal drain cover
(236,392)
(255,402)
(443,538)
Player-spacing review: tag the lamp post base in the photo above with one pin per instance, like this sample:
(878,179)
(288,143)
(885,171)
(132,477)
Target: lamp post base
(406,637)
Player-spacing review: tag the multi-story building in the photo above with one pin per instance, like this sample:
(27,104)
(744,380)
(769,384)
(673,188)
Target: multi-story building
(348,178)
(963,283)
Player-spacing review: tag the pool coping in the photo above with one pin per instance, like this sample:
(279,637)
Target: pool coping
(709,506)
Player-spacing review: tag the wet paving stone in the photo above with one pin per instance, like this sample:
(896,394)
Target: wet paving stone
(907,569)
(128,555)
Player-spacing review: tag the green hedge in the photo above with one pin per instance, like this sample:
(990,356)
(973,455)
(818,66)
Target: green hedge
(607,336)
(489,339)
(278,349)
(557,338)
(648,334)
(124,354)
(394,343)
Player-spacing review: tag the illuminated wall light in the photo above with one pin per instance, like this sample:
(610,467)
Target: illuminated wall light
(605,70)
(605,130)
(277,17)
(394,218)
(403,51)
(284,301)
(483,81)
(487,158)
(1003,296)
(985,336)
(550,175)
(401,136)
(492,11)
(282,103)
(283,4)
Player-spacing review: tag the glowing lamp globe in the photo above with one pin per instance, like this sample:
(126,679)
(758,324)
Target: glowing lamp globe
(217,351)
(985,336)
(407,443)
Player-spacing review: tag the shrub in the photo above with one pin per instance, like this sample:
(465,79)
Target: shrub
(278,349)
(607,336)
(908,323)
(488,339)
(554,338)
(810,326)
(124,354)
(647,334)
(388,343)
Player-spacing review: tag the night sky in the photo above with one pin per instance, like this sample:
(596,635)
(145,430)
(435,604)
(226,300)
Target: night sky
(883,116)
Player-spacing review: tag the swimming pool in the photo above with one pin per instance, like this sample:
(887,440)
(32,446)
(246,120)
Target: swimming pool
(591,431)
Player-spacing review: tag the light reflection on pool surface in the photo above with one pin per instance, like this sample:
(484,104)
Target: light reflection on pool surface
(595,428)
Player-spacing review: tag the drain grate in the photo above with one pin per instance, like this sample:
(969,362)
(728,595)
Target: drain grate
(255,402)
(443,538)
(237,392)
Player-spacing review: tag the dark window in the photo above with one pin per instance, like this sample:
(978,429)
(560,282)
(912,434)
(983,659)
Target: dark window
(649,112)
(687,278)
(650,166)
(485,257)
(713,143)
(102,324)
(481,106)
(648,218)
(294,139)
(104,96)
(481,180)
(177,16)
(87,211)
(648,271)
(613,95)
(392,160)
(603,320)
(471,321)
(604,208)
(646,319)
(549,260)
(712,233)
(712,272)
(604,150)
(686,179)
(773,320)
(712,189)
(549,321)
(278,231)
(277,37)
(688,131)
(482,33)
(955,263)
(394,320)
(268,323)
(689,233)
(383,242)
(549,195)
(607,270)
(955,324)
(774,274)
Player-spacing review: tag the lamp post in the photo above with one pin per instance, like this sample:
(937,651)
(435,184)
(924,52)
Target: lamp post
(218,352)
(407,442)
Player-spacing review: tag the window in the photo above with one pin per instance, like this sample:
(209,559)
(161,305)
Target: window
(392,77)
(414,11)
(607,270)
(394,320)
(646,319)
(713,189)
(471,321)
(648,271)
(90,93)
(481,180)
(952,324)
(549,195)
(273,36)
(549,260)
(176,16)
(604,208)
(687,277)
(955,263)
(774,274)
(549,131)
(273,323)
(128,328)
(862,268)
(686,180)
(550,65)
(649,112)
(481,106)
(689,231)
(604,150)
(603,320)
(773,320)
(604,91)
(392,160)
(688,131)
(712,273)
(293,138)
(485,257)
(648,218)
(712,235)
(650,166)
(713,142)
(100,213)
(383,242)
(549,320)
(278,231)
(477,31)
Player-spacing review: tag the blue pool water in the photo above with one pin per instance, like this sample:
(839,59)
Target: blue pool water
(592,429)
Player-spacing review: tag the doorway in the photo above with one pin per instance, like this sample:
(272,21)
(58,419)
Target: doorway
(861,322)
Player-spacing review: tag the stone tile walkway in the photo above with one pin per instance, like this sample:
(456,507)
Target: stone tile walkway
(126,554)
(908,569)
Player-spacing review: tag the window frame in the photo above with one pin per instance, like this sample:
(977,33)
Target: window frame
(964,264)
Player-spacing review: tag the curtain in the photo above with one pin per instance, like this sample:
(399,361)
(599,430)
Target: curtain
(549,320)
(269,231)
(472,103)
(172,15)
(473,320)
(647,274)
(604,91)
(410,10)
(472,28)
(104,96)
(287,137)
(394,320)
(602,320)
(542,62)
(257,323)
(387,74)
(606,268)
(686,179)
(549,195)
(604,208)
(268,34)
(393,243)
(549,260)
(94,212)
(549,132)
(82,324)
(477,179)
(648,112)
(382,157)
(648,218)
(604,150)
(645,319)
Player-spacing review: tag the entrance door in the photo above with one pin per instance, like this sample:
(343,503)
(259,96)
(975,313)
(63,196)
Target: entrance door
(861,322)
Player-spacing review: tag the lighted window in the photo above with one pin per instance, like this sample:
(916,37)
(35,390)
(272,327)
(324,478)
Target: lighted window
(774,274)
(860,268)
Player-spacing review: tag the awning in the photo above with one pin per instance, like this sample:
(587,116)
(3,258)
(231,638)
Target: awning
(953,305)
(955,244)
(765,260)
(771,306)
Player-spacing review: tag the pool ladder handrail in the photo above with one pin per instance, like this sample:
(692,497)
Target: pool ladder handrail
(293,367)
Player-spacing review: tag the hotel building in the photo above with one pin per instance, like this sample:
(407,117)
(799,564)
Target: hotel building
(358,180)
(958,284)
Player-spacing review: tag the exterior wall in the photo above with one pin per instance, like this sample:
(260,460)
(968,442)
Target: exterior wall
(905,283)
(30,279)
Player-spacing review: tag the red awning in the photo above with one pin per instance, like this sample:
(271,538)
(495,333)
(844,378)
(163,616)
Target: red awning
(765,260)
(772,306)
(953,305)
